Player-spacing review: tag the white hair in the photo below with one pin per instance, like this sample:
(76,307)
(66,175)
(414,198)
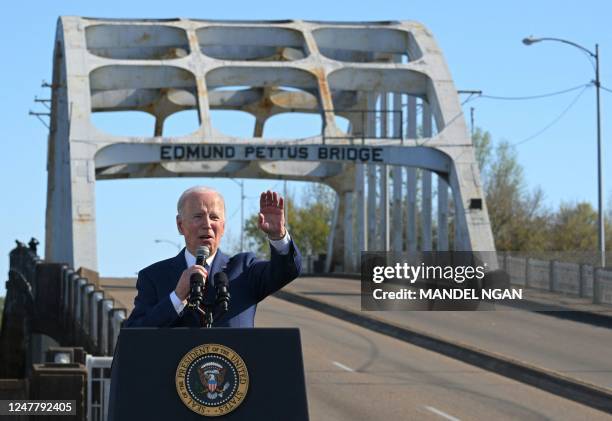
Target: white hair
(196,189)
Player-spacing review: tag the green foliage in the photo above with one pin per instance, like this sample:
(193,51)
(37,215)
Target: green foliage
(482,146)
(308,223)
(575,227)
(519,220)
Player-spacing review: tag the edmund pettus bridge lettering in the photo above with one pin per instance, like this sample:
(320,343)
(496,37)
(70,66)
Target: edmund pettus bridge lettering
(195,152)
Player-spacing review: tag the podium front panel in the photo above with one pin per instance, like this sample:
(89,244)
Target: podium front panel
(146,361)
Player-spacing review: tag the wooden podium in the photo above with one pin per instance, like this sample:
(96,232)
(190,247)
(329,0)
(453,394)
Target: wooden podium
(196,373)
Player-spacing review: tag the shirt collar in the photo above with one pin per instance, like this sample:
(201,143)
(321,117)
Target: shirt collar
(191,260)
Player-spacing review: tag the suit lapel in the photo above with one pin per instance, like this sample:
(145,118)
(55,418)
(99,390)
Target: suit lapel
(177,266)
(218,264)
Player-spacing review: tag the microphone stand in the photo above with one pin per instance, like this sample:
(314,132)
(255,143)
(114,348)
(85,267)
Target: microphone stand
(209,308)
(207,314)
(215,307)
(195,299)
(196,284)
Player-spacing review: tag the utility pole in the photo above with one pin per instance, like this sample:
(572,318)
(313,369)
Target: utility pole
(242,215)
(601,232)
(242,197)
(472,122)
(286,205)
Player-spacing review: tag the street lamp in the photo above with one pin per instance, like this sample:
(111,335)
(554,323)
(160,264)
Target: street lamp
(242,197)
(595,55)
(177,245)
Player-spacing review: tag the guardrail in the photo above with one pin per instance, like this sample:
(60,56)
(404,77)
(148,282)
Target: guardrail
(579,279)
(98,387)
(66,305)
(91,317)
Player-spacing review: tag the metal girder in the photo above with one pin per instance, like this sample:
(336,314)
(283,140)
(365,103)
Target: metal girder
(263,68)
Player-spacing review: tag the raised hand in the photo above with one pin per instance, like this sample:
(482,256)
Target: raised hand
(272,215)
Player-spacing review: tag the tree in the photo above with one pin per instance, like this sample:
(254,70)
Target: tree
(518,219)
(575,227)
(482,145)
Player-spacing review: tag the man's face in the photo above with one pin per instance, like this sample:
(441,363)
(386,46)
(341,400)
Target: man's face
(202,221)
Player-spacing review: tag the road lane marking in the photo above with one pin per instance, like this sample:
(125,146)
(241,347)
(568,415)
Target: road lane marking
(441,413)
(342,366)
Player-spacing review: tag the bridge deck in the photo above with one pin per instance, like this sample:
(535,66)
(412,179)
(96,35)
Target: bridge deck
(343,361)
(543,339)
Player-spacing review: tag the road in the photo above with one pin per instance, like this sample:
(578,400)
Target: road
(575,349)
(355,374)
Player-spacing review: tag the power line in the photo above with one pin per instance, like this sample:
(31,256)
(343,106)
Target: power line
(523,98)
(559,117)
(605,89)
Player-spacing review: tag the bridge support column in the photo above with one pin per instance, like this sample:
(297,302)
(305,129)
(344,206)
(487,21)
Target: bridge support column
(349,253)
(411,223)
(398,233)
(384,208)
(426,193)
(71,210)
(334,234)
(442,243)
(361,205)
(384,178)
(411,180)
(370,129)
(472,229)
(426,210)
(397,240)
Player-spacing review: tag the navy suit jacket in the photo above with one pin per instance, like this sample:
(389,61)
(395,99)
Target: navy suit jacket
(250,281)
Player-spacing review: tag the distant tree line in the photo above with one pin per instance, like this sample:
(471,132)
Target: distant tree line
(519,218)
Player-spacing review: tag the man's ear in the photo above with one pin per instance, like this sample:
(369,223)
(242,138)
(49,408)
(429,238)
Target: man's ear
(179,224)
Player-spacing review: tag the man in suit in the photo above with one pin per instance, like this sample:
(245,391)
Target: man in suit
(163,288)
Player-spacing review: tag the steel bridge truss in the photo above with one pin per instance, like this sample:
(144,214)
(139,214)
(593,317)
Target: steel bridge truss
(387,81)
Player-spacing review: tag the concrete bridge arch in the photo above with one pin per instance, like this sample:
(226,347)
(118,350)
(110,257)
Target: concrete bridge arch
(388,79)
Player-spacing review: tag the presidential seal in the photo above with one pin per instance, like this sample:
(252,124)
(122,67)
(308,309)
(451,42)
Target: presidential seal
(212,380)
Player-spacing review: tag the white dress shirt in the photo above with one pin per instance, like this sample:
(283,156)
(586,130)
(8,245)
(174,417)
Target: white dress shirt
(281,246)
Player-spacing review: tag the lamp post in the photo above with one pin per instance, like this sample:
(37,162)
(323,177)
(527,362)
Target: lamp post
(242,197)
(177,245)
(595,55)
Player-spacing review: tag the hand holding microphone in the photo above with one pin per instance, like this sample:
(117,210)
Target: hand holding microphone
(196,272)
(197,288)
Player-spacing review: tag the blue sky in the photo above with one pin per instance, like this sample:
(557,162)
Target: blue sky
(481,41)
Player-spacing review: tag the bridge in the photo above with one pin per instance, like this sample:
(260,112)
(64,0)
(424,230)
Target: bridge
(403,153)
(502,364)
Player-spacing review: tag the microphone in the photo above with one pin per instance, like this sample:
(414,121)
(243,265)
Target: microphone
(202,254)
(196,281)
(223,295)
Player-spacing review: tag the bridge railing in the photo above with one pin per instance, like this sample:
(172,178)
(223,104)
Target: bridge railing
(578,279)
(64,304)
(98,387)
(92,318)
(55,300)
